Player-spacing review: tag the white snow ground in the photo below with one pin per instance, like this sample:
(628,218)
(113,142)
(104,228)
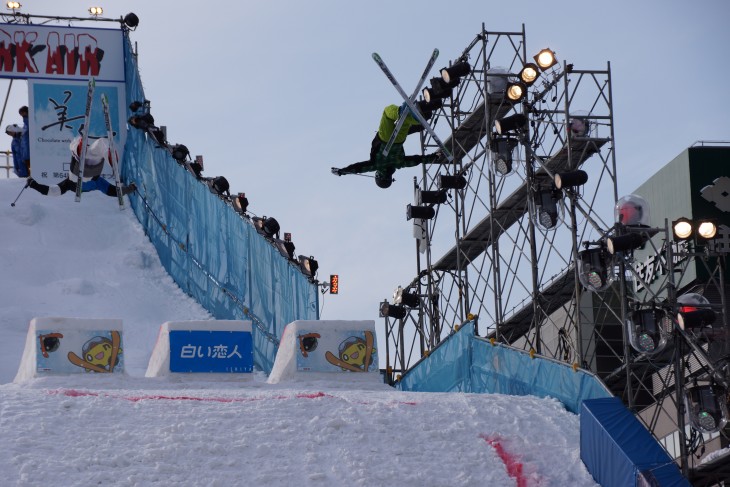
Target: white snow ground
(90,260)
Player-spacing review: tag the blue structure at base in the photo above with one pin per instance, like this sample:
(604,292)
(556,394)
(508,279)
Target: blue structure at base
(209,249)
(466,363)
(619,451)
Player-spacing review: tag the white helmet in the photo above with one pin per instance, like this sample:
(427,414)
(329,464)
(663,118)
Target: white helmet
(13,129)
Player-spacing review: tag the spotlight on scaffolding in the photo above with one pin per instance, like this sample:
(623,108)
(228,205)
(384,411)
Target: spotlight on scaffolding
(545,59)
(707,407)
(396,311)
(595,267)
(646,331)
(455,72)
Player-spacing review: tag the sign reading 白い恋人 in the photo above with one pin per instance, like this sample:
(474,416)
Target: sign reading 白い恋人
(211,351)
(61,53)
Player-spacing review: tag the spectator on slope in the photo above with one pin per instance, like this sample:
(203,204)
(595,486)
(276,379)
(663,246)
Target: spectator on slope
(385,166)
(25,139)
(95,156)
(16,132)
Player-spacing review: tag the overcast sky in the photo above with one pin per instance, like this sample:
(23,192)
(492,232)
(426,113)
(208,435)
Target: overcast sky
(273,94)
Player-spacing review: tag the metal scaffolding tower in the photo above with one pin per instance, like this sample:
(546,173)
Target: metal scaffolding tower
(486,253)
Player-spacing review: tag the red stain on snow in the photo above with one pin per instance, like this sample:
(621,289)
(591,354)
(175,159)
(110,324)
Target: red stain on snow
(514,466)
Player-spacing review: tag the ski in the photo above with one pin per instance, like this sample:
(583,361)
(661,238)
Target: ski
(412,106)
(402,117)
(113,159)
(85,137)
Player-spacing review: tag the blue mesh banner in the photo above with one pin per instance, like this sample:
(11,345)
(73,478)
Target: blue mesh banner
(464,362)
(212,252)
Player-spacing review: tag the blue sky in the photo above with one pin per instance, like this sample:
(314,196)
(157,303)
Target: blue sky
(274,93)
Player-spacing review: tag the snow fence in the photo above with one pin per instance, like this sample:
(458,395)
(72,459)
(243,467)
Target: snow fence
(211,251)
(466,363)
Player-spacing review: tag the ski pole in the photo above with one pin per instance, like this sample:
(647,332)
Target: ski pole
(18,197)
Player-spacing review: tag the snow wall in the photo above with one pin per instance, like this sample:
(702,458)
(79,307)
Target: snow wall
(466,363)
(619,451)
(211,251)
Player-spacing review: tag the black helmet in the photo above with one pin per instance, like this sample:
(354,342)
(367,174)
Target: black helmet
(384,178)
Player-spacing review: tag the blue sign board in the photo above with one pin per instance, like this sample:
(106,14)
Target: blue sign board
(211,351)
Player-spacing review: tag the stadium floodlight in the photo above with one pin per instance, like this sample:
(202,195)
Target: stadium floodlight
(545,59)
(96,11)
(703,230)
(13,6)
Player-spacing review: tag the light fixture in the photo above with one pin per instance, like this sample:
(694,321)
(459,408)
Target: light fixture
(547,208)
(456,71)
(579,127)
(545,59)
(646,332)
(286,247)
(96,11)
(422,212)
(516,122)
(570,179)
(529,74)
(694,311)
(707,407)
(400,296)
(13,6)
(180,153)
(439,89)
(516,91)
(624,243)
(632,211)
(595,268)
(706,230)
(452,182)
(682,229)
(268,227)
(308,266)
(240,203)
(218,185)
(142,122)
(433,197)
(503,148)
(131,20)
(427,107)
(702,230)
(396,311)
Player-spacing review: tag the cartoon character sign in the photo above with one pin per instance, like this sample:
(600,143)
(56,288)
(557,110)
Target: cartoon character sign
(347,351)
(100,354)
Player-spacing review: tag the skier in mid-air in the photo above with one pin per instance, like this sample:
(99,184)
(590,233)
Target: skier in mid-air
(386,165)
(96,154)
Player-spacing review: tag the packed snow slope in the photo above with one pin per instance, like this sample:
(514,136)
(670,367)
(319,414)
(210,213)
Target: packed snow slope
(90,260)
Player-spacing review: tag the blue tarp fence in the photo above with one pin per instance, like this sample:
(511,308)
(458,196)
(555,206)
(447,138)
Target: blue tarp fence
(211,251)
(466,363)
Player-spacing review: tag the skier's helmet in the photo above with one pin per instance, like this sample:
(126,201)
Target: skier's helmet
(384,178)
(13,129)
